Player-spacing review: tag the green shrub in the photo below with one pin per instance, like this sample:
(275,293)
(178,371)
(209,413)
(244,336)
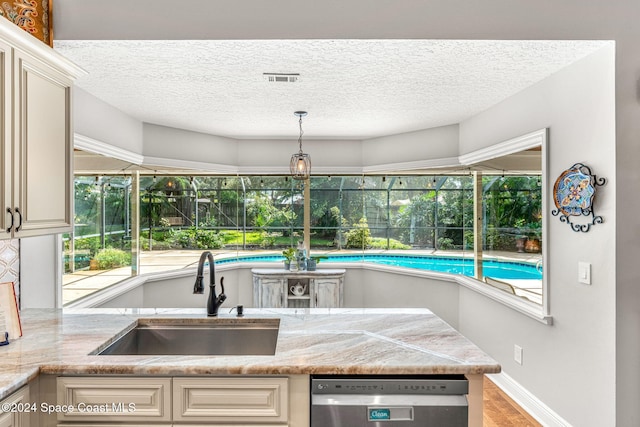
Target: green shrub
(209,239)
(381,243)
(90,243)
(497,240)
(191,238)
(112,258)
(468,239)
(360,236)
(268,241)
(445,243)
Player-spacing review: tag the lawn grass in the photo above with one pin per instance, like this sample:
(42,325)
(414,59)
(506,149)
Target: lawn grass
(234,237)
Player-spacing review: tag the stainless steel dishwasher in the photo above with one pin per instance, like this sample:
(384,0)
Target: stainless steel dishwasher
(389,401)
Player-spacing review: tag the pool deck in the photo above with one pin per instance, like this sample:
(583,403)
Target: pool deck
(84,282)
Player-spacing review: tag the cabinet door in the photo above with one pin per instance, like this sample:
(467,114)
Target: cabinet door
(269,292)
(231,400)
(43,148)
(114,399)
(18,416)
(328,292)
(6,140)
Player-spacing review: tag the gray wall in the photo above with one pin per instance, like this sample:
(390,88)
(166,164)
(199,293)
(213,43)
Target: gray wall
(370,287)
(96,119)
(561,362)
(171,143)
(38,265)
(435,143)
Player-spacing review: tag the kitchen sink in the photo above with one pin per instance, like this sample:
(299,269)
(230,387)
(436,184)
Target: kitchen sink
(197,336)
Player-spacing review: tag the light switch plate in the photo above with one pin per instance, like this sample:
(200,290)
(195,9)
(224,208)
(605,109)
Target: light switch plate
(584,273)
(517,354)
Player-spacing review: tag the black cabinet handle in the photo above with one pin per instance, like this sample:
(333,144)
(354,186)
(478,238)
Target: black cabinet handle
(11,225)
(19,216)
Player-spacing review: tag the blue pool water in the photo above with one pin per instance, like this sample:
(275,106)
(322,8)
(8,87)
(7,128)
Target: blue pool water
(453,265)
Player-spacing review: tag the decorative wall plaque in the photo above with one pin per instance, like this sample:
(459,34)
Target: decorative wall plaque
(573,195)
(33,16)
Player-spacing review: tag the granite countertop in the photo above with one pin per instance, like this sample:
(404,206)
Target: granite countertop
(310,341)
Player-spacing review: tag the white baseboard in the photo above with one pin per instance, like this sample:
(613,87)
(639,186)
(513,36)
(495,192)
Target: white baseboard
(534,406)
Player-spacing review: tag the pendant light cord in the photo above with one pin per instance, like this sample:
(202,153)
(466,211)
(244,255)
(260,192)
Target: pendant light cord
(301,133)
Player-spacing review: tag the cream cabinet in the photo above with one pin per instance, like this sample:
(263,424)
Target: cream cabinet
(37,136)
(230,400)
(20,409)
(304,289)
(107,401)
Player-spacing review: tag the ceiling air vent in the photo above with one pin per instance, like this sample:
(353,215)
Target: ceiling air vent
(279,77)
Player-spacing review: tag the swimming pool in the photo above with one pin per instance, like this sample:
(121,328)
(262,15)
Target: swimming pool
(445,264)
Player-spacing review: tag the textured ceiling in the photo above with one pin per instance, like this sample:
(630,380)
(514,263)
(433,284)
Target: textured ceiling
(351,88)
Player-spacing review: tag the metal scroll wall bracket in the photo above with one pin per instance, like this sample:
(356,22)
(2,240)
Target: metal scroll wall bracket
(573,195)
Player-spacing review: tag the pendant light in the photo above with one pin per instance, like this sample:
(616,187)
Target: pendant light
(300,164)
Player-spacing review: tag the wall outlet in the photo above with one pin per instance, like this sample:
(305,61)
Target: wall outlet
(517,354)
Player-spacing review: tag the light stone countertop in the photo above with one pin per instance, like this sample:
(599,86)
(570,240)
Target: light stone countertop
(310,341)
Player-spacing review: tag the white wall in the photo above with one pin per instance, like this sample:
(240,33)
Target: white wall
(327,156)
(171,147)
(563,362)
(171,143)
(364,286)
(38,267)
(435,143)
(98,120)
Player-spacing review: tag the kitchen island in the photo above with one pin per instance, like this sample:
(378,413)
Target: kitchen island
(310,341)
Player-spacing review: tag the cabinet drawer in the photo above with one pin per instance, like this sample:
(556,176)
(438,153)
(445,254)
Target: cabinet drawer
(115,399)
(249,400)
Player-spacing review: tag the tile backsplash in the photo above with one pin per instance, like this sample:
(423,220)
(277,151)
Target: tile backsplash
(10,263)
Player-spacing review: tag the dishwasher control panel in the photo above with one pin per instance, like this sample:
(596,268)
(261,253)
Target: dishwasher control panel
(360,384)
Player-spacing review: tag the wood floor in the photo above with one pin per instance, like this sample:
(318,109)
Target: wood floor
(501,411)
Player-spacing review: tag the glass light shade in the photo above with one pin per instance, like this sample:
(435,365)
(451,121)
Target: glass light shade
(300,166)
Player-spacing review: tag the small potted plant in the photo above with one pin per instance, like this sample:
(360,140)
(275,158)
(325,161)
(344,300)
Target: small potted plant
(313,261)
(290,256)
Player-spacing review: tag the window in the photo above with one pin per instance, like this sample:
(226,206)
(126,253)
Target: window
(380,218)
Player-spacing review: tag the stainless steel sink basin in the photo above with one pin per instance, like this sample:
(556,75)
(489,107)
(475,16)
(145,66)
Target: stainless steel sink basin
(198,337)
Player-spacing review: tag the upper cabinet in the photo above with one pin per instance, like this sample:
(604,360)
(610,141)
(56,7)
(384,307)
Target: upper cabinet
(37,136)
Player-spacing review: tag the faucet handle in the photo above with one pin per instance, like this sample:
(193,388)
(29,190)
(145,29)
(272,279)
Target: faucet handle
(222,285)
